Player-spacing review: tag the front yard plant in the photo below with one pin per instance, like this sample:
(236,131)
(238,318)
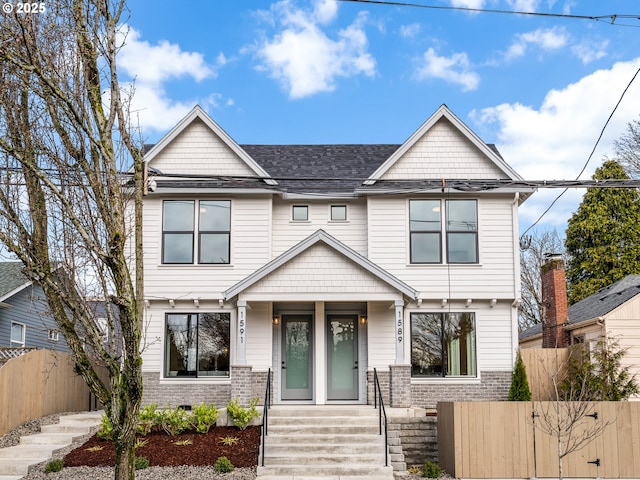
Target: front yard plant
(223,465)
(241,416)
(54,466)
(203,417)
(431,470)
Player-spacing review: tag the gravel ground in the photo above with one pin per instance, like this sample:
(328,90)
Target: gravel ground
(36,472)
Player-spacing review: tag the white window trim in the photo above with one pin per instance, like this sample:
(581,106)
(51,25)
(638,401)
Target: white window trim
(24,335)
(54,335)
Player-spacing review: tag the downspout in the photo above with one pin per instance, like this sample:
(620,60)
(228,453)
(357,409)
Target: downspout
(515,344)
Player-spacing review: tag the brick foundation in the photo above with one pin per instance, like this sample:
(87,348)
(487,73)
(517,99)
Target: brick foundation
(172,395)
(494,386)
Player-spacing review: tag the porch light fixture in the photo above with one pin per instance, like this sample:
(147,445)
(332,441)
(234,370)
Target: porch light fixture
(468,302)
(363,319)
(221,303)
(443,303)
(276,319)
(196,303)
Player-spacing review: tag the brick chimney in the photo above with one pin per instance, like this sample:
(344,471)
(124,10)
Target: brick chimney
(555,306)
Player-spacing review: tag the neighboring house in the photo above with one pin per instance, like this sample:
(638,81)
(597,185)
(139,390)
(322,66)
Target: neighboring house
(612,312)
(325,262)
(25,319)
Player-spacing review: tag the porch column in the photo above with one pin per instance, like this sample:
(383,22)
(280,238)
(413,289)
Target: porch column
(399,332)
(241,355)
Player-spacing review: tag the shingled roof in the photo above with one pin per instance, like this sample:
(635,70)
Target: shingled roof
(597,305)
(11,278)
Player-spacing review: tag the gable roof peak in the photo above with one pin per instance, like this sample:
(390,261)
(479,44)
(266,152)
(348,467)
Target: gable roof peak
(443,112)
(198,113)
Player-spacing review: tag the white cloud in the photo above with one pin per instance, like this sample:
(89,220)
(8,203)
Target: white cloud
(151,67)
(589,51)
(304,59)
(410,31)
(468,3)
(554,141)
(544,38)
(454,69)
(524,5)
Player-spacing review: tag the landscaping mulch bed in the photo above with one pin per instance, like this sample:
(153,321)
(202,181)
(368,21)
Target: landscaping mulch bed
(164,450)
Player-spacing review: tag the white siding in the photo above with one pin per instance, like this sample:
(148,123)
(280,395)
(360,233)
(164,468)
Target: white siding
(623,324)
(198,150)
(381,335)
(250,249)
(287,233)
(259,332)
(493,277)
(443,152)
(323,270)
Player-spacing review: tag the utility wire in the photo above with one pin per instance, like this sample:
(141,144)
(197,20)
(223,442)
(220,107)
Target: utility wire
(590,155)
(611,18)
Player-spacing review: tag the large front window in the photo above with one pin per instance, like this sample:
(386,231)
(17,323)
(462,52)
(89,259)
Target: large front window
(197,345)
(425,231)
(180,224)
(443,345)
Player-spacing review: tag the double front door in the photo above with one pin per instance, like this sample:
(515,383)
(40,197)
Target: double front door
(298,372)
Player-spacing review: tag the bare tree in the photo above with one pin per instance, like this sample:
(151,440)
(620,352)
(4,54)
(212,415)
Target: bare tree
(628,149)
(570,417)
(532,256)
(66,211)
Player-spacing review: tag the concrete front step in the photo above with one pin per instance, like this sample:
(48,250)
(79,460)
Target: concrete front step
(324,471)
(64,438)
(37,448)
(324,442)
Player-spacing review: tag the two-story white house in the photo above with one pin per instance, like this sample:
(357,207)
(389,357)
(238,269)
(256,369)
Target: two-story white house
(322,263)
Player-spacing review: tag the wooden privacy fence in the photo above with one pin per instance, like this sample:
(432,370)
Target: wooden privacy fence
(542,364)
(499,440)
(38,383)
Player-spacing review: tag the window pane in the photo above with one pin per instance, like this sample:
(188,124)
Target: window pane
(213,345)
(178,216)
(300,213)
(462,216)
(424,215)
(460,344)
(215,216)
(462,247)
(426,344)
(214,248)
(17,335)
(425,248)
(180,346)
(338,213)
(178,248)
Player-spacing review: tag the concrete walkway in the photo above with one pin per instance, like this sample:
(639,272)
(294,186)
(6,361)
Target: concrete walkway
(37,448)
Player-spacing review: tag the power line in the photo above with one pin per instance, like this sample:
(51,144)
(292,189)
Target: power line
(610,18)
(590,155)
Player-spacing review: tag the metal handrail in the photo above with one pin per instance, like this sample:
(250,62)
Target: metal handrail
(265,411)
(378,397)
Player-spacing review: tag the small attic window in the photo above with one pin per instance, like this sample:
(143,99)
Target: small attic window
(338,213)
(300,213)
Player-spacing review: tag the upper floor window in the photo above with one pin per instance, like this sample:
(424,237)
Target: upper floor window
(338,213)
(197,345)
(425,231)
(54,335)
(443,345)
(17,334)
(300,213)
(180,224)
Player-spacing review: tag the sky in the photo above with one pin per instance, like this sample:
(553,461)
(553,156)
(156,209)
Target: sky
(541,87)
